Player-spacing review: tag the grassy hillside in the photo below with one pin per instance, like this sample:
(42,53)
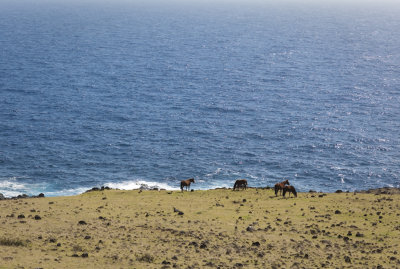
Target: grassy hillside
(215,228)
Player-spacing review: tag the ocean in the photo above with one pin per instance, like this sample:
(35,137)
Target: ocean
(132,93)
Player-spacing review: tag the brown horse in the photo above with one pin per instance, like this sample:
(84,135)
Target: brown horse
(240,183)
(186,183)
(289,189)
(279,186)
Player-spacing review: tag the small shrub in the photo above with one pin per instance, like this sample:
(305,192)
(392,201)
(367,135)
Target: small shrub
(12,242)
(145,258)
(77,248)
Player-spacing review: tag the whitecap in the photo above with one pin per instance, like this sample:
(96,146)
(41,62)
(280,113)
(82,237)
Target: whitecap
(67,192)
(216,172)
(138,184)
(10,187)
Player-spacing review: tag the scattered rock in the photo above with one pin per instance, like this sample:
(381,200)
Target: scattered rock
(256,244)
(22,216)
(338,191)
(347,259)
(99,189)
(84,255)
(250,228)
(82,222)
(41,195)
(338,212)
(203,245)
(88,237)
(193,243)
(37,217)
(178,211)
(385,190)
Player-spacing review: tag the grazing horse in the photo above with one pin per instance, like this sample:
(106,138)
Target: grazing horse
(279,186)
(186,183)
(240,183)
(289,189)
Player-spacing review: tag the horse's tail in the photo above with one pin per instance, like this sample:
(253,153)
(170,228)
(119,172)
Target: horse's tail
(276,190)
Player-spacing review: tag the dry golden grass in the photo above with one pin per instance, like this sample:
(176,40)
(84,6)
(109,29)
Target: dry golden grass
(218,228)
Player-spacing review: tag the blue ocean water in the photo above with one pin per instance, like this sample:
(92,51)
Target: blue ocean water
(129,93)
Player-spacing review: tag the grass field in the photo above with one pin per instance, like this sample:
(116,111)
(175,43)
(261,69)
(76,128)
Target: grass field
(201,229)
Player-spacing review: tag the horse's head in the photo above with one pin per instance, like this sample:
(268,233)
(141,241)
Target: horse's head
(191,180)
(286,182)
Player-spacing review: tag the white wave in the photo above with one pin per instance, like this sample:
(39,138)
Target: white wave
(66,192)
(216,172)
(219,185)
(12,185)
(137,184)
(8,193)
(251,176)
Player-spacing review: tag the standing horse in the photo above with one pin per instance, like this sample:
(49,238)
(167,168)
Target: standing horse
(240,183)
(289,189)
(279,186)
(186,183)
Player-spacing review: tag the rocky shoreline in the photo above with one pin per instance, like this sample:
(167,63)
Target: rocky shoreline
(383,190)
(21,196)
